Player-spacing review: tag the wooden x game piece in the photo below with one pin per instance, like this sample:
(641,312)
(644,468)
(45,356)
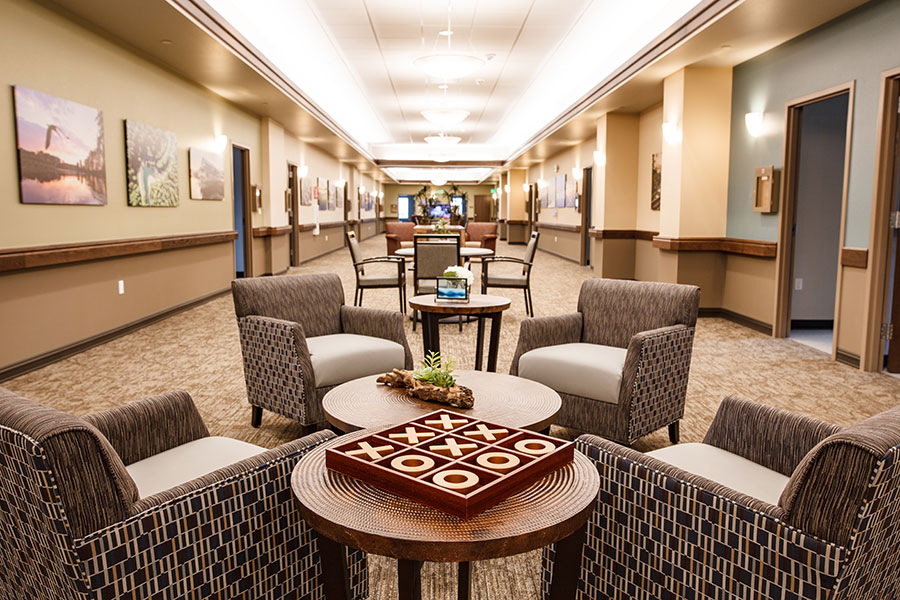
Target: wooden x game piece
(446,422)
(411,436)
(486,433)
(373,453)
(453,447)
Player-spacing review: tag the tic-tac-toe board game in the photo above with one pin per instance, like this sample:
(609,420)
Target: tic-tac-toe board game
(456,464)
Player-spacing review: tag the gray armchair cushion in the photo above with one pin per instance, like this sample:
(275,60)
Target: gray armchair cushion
(314,301)
(341,357)
(615,310)
(546,331)
(586,370)
(91,480)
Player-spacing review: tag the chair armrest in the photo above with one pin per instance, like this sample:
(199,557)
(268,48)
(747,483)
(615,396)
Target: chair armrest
(375,322)
(377,259)
(489,236)
(774,438)
(147,427)
(275,358)
(247,520)
(655,378)
(512,259)
(392,236)
(546,331)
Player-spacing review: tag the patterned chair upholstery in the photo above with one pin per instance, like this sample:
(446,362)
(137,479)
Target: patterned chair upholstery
(399,234)
(73,525)
(299,340)
(621,362)
(660,531)
(481,235)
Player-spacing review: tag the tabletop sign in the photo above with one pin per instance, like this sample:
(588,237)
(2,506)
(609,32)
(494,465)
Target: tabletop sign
(456,464)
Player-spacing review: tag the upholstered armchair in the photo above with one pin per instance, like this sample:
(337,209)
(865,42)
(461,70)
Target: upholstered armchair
(481,235)
(141,502)
(770,505)
(399,234)
(621,362)
(299,340)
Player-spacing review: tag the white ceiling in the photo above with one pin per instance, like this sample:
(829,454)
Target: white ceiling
(354,59)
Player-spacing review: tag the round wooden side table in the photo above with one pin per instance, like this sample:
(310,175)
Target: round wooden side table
(500,398)
(347,512)
(481,306)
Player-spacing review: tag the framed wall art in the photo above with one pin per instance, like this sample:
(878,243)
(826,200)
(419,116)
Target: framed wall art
(655,181)
(207,174)
(151,165)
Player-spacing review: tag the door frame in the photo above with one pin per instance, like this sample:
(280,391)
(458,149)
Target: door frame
(246,208)
(875,307)
(584,205)
(295,186)
(787,218)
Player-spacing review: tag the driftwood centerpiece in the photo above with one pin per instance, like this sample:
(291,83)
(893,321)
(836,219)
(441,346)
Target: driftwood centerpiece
(457,396)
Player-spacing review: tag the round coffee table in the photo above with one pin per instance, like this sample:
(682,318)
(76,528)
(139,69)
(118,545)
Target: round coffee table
(348,512)
(481,306)
(513,401)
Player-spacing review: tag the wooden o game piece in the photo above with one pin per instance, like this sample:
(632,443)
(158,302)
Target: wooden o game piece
(411,435)
(535,447)
(456,479)
(412,464)
(502,462)
(486,433)
(453,447)
(446,422)
(373,453)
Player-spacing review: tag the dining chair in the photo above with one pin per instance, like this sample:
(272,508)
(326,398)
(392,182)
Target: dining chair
(515,280)
(370,280)
(433,253)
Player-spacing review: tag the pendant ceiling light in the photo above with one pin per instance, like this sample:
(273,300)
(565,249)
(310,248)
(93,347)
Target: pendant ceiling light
(442,140)
(438,180)
(448,66)
(446,117)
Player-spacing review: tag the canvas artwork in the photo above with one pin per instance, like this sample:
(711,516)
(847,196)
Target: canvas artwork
(151,164)
(207,174)
(561,190)
(306,191)
(339,196)
(550,194)
(571,193)
(61,151)
(332,196)
(323,193)
(656,181)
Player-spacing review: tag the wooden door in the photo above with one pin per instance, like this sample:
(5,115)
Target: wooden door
(483,208)
(893,355)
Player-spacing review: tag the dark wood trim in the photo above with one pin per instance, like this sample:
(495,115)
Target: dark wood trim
(516,222)
(501,220)
(259,232)
(723,244)
(559,254)
(855,257)
(622,234)
(350,222)
(372,220)
(47,358)
(848,358)
(17,259)
(730,315)
(558,227)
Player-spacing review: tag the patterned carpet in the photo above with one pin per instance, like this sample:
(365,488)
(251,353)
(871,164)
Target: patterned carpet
(198,351)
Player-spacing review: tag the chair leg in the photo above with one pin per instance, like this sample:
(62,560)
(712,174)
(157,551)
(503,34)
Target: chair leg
(356,297)
(360,296)
(675,432)
(530,301)
(415,318)
(256,416)
(460,322)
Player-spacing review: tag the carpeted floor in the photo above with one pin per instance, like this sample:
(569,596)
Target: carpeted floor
(198,351)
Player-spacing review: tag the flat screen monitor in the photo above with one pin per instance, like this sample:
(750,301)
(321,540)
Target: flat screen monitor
(439,210)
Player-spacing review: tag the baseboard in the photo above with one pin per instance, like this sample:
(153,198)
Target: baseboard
(812,324)
(724,313)
(848,358)
(42,360)
(577,261)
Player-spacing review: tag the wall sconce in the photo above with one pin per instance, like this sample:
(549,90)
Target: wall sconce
(754,122)
(221,142)
(671,133)
(599,158)
(494,195)
(525,187)
(381,195)
(506,188)
(256,193)
(542,184)
(303,171)
(340,183)
(577,173)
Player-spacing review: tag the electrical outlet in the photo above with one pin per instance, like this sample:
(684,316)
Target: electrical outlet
(121,286)
(798,284)
(326,238)
(555,239)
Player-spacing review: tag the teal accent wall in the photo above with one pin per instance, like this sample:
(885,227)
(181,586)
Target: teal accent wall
(858,46)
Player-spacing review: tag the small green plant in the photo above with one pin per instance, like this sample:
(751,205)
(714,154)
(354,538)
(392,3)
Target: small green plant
(436,371)
(442,225)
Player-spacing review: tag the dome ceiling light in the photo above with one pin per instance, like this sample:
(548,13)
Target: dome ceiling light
(446,117)
(438,180)
(442,140)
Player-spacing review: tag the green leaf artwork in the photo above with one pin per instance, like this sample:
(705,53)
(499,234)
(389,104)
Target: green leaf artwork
(151,165)
(436,371)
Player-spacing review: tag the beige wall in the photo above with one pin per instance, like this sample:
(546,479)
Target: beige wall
(579,157)
(562,243)
(45,52)
(750,287)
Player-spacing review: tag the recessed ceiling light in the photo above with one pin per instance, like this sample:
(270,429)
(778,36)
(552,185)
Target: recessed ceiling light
(442,140)
(446,117)
(165,42)
(446,33)
(448,66)
(443,86)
